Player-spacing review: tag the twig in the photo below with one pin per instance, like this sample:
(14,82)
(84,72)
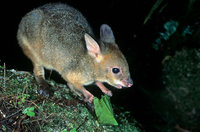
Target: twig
(4,75)
(155,6)
(13,114)
(18,124)
(15,98)
(181,129)
(85,120)
(35,105)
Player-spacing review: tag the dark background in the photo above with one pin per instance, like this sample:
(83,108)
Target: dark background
(133,37)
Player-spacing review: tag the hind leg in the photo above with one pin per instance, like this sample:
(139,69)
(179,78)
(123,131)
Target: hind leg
(40,78)
(29,51)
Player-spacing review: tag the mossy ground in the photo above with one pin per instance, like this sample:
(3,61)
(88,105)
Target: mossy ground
(62,112)
(178,102)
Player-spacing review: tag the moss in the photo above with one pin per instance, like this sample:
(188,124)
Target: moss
(60,113)
(178,102)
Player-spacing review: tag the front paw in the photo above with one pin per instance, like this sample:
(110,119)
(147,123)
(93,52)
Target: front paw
(108,92)
(89,99)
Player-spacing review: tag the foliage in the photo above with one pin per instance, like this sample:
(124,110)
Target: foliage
(178,102)
(175,36)
(104,111)
(170,28)
(27,111)
(154,7)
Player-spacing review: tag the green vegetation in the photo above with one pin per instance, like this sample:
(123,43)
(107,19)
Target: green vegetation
(178,102)
(22,109)
(29,111)
(181,77)
(104,111)
(175,97)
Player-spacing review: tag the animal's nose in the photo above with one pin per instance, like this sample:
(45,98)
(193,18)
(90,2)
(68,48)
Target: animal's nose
(130,82)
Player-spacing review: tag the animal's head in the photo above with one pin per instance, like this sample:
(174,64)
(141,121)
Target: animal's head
(110,64)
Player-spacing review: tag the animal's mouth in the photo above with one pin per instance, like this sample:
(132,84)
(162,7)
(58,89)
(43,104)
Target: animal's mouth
(119,86)
(123,83)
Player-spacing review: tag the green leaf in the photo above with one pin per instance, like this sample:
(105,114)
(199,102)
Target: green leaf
(31,114)
(29,111)
(136,130)
(4,128)
(31,108)
(65,130)
(73,130)
(104,111)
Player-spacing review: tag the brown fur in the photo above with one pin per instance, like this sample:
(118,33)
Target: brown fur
(58,37)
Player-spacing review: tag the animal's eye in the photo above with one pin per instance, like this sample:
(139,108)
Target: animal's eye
(115,70)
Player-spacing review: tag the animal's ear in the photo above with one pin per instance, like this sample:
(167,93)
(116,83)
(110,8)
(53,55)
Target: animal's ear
(93,48)
(106,34)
